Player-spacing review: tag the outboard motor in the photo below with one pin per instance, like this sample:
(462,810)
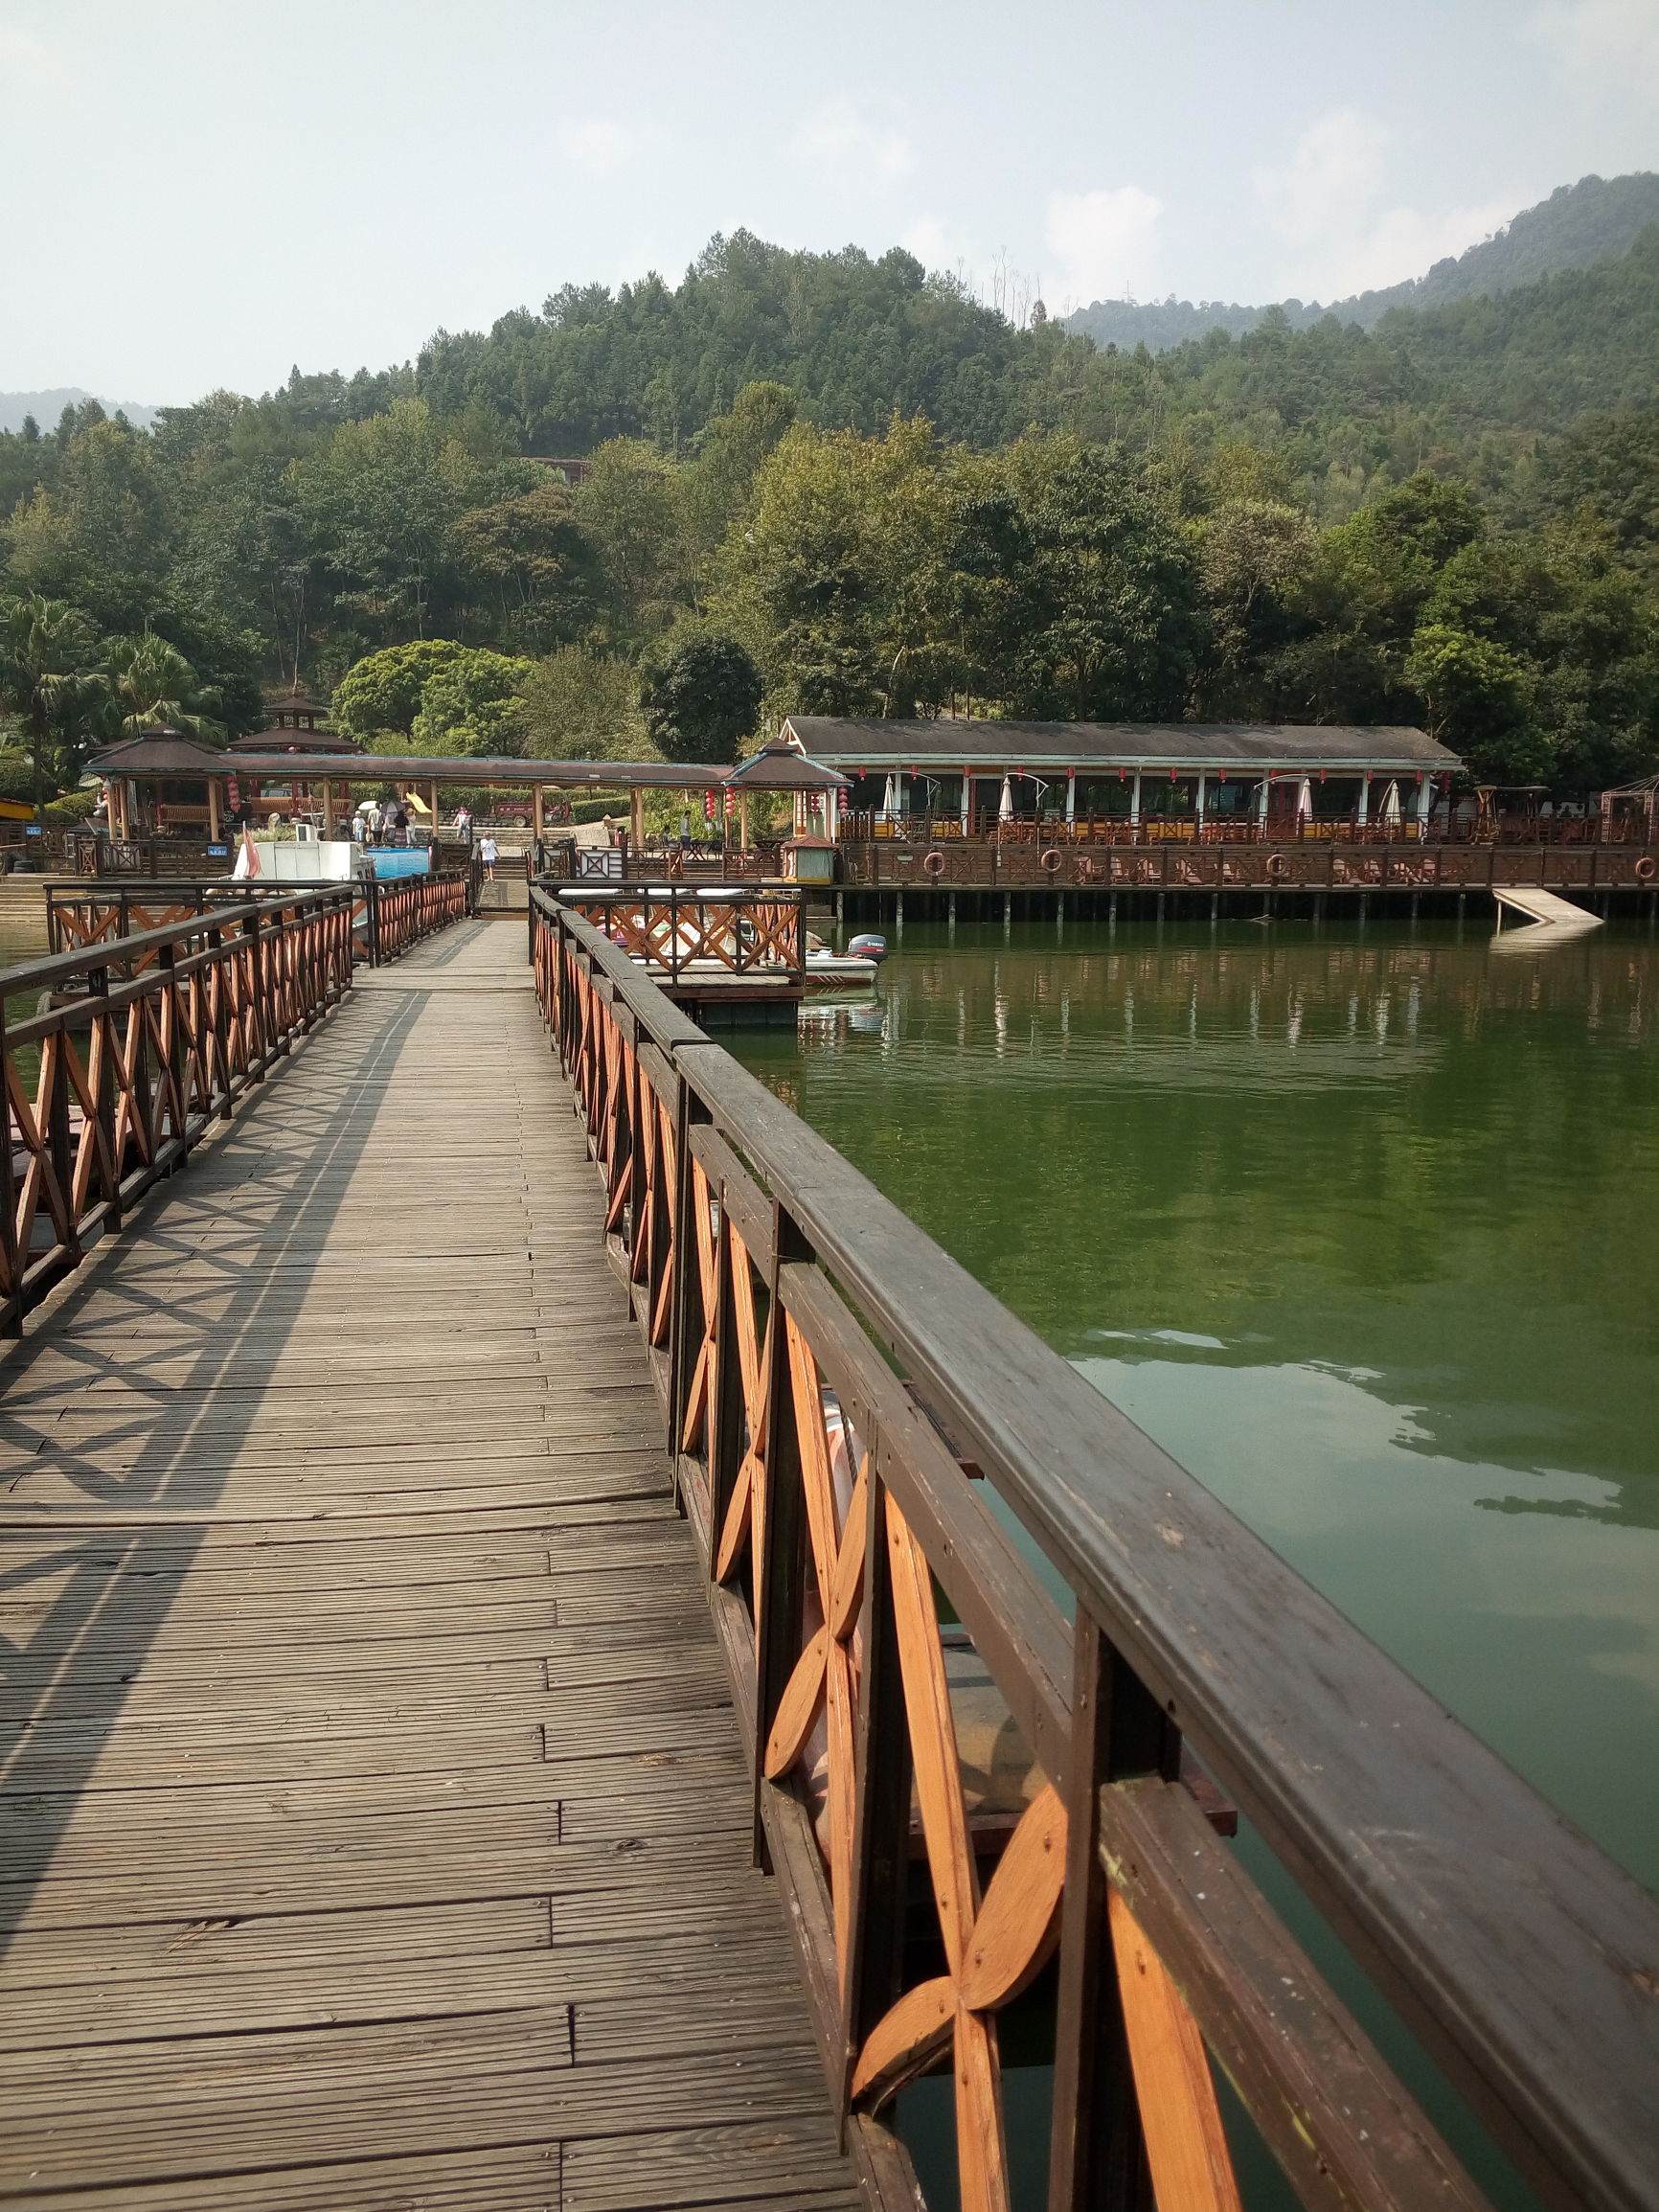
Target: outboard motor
(867,947)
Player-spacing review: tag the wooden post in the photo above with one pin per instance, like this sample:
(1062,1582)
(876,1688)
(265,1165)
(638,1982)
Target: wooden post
(432,802)
(214,814)
(328,809)
(744,820)
(538,823)
(637,818)
(1098,2156)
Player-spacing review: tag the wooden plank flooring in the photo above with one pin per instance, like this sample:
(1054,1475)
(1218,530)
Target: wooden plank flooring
(376,1833)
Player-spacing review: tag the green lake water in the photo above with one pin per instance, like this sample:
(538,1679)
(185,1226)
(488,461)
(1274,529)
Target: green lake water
(1365,1230)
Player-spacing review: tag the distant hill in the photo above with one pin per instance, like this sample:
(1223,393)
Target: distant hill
(1595,220)
(47,407)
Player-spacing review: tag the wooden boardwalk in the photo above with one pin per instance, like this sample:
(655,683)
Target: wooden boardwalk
(375,1833)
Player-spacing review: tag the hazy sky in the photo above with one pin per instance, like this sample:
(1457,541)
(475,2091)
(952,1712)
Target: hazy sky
(203,191)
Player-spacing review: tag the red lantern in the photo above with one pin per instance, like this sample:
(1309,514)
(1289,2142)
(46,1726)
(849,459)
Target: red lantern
(708,805)
(731,804)
(1122,775)
(1321,775)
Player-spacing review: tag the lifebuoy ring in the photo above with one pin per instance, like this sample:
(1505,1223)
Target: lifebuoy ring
(1053,861)
(1646,868)
(934,865)
(1275,866)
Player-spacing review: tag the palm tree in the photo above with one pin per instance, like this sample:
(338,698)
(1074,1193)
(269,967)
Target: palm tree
(155,688)
(52,678)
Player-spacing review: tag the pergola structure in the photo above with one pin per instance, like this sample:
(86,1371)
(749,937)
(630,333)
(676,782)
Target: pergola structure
(165,776)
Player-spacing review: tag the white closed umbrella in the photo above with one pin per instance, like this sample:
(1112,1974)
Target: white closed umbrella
(890,800)
(1005,805)
(1391,805)
(1305,801)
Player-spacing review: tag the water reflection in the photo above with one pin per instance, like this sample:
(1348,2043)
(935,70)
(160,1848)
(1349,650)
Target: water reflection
(1366,1231)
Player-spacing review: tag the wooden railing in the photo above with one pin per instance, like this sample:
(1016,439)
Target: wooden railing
(410,907)
(833,1384)
(386,918)
(869,828)
(113,1088)
(1311,866)
(678,932)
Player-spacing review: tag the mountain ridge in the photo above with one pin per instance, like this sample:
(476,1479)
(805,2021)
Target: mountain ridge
(1595,220)
(47,407)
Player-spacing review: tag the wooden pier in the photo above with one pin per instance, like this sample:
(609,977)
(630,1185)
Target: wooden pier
(376,1829)
(497,1599)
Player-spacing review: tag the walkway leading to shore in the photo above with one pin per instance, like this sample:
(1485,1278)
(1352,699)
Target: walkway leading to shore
(376,1831)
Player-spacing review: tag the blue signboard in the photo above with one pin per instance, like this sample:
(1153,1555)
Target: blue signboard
(219,851)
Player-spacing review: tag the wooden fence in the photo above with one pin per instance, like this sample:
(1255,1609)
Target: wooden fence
(386,918)
(678,932)
(112,1088)
(835,1383)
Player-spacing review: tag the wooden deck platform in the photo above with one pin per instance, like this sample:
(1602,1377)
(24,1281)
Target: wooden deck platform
(375,1833)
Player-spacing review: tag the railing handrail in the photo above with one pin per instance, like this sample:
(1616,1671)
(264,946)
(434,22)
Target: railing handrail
(57,967)
(1523,1955)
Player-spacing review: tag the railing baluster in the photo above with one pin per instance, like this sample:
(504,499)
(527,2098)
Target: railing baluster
(779,1557)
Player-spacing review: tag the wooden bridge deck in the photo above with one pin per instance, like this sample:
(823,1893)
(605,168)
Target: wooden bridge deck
(375,1833)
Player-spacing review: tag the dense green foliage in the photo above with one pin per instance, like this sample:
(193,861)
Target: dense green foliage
(703,699)
(1593,220)
(887,500)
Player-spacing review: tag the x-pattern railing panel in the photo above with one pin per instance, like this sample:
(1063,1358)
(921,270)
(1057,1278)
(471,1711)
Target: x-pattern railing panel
(130,1070)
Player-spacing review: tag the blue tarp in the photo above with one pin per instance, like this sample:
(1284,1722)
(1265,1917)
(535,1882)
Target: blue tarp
(395,862)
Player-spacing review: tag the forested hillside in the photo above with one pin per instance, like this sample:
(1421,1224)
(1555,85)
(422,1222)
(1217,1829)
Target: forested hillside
(838,483)
(1595,220)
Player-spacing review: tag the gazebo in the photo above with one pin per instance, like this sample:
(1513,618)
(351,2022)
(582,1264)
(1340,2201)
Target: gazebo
(783,765)
(158,770)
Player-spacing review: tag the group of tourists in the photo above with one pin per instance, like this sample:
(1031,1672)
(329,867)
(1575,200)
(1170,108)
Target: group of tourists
(382,822)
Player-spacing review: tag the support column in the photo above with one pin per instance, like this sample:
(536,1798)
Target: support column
(743,819)
(327,810)
(1071,796)
(1424,803)
(1198,802)
(637,818)
(537,821)
(1263,801)
(1135,802)
(432,802)
(216,815)
(967,801)
(1364,798)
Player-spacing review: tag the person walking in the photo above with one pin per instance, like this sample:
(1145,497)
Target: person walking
(488,852)
(462,822)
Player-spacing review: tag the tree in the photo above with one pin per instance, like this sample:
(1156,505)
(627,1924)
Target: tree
(53,679)
(533,553)
(378,502)
(579,705)
(471,707)
(155,687)
(382,691)
(628,507)
(702,699)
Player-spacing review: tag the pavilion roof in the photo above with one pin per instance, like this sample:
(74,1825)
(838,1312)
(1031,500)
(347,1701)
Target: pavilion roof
(163,752)
(784,767)
(990,747)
